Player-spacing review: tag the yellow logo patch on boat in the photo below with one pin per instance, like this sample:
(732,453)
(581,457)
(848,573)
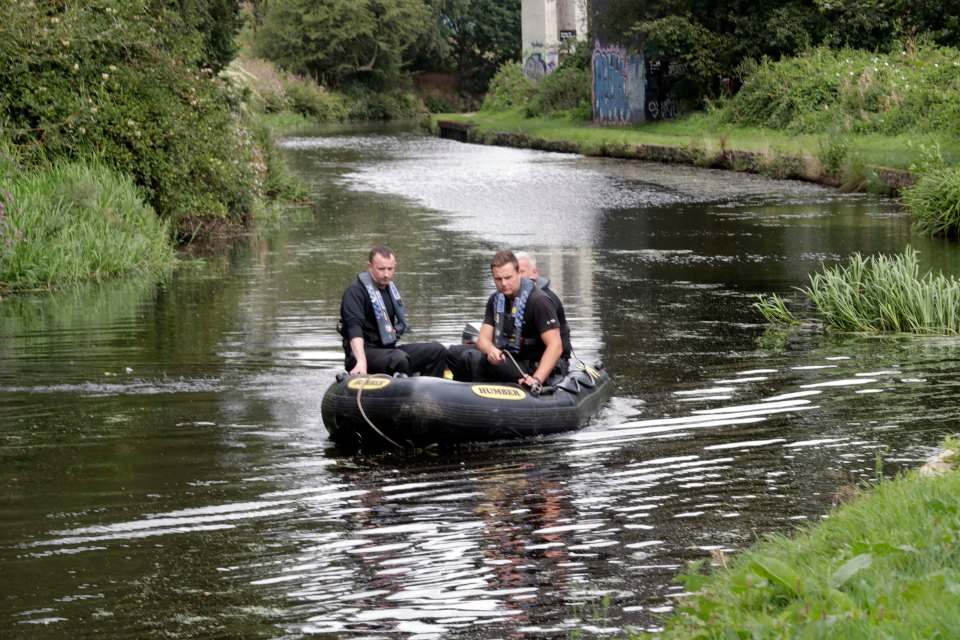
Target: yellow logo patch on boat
(368,383)
(497,392)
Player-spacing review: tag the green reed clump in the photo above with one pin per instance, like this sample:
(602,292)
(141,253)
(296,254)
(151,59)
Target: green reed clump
(884,566)
(886,293)
(774,309)
(934,202)
(76,222)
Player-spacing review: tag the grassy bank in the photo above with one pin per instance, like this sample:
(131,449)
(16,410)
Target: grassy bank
(75,222)
(883,566)
(860,162)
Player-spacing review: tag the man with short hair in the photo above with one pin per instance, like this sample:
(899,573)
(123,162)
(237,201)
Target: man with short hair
(520,336)
(528,269)
(373,319)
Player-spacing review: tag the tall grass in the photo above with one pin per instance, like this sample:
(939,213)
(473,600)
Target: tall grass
(75,222)
(885,566)
(886,293)
(774,309)
(934,202)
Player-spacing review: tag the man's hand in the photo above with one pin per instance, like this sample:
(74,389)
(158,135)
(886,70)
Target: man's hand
(495,356)
(356,346)
(360,369)
(533,382)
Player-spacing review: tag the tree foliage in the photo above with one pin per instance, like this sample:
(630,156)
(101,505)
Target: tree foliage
(482,35)
(119,81)
(334,41)
(712,39)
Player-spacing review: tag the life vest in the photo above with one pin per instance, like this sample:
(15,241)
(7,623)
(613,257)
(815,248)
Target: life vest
(516,312)
(390,332)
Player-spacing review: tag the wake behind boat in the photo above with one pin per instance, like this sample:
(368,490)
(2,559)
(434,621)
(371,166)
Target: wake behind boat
(380,411)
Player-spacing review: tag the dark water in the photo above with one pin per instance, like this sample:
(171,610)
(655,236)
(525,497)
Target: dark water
(164,471)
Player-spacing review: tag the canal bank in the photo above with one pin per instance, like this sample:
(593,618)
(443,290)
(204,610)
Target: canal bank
(767,153)
(882,566)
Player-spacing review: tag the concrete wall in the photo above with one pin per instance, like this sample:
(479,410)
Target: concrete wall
(542,22)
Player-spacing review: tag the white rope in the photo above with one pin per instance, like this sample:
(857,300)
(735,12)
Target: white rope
(364,413)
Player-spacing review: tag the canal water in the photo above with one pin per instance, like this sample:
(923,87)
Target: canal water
(165,473)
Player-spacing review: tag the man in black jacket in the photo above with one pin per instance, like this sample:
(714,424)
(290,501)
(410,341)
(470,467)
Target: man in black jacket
(373,319)
(520,336)
(528,269)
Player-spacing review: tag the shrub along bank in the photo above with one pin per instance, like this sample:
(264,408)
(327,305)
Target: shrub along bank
(267,90)
(124,88)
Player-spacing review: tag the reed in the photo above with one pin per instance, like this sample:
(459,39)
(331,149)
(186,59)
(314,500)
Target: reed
(886,294)
(75,222)
(934,202)
(774,309)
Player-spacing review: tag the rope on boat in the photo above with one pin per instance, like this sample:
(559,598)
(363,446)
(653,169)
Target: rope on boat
(574,355)
(370,422)
(536,387)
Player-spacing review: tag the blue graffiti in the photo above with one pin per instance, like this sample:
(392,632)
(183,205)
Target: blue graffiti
(618,86)
(535,68)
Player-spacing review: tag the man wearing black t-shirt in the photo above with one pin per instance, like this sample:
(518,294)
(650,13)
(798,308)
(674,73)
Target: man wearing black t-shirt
(520,337)
(372,320)
(528,269)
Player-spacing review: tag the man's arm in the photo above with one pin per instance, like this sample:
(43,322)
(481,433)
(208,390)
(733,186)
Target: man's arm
(549,359)
(485,344)
(356,346)
(352,310)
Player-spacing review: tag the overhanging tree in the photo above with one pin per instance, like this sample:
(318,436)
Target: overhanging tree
(335,41)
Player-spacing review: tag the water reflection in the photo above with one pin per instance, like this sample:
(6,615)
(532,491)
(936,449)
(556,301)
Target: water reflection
(197,495)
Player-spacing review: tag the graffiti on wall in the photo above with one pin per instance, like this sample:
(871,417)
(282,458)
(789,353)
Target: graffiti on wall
(661,75)
(538,62)
(618,86)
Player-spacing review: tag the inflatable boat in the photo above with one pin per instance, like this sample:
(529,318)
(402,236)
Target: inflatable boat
(380,411)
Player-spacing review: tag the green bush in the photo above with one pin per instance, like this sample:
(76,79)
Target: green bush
(833,154)
(310,99)
(279,182)
(566,89)
(886,293)
(827,91)
(75,222)
(934,202)
(878,294)
(258,84)
(115,81)
(366,104)
(509,89)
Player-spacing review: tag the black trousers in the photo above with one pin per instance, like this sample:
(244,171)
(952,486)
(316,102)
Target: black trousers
(425,358)
(472,366)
